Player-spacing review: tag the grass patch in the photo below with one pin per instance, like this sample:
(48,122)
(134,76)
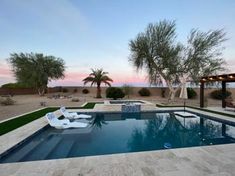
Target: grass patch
(89,105)
(12,124)
(193,107)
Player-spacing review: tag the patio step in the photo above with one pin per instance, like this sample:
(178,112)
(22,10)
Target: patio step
(43,150)
(62,150)
(22,152)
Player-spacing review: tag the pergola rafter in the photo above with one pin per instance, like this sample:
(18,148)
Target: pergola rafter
(220,78)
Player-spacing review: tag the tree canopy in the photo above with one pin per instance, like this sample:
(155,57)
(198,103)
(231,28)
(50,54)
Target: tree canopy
(36,70)
(157,51)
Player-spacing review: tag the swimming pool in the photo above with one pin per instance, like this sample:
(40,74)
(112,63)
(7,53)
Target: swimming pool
(111,133)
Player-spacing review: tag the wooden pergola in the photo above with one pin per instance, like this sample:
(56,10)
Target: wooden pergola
(221,78)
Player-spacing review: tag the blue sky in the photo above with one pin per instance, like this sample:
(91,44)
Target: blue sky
(95,33)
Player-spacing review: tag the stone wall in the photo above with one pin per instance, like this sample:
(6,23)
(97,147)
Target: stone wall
(155,91)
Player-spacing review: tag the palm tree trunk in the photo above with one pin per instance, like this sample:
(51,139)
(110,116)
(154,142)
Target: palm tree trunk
(98,94)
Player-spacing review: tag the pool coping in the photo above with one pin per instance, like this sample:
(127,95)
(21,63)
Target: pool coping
(191,161)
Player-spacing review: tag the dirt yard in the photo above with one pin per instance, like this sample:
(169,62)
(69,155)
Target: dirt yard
(27,103)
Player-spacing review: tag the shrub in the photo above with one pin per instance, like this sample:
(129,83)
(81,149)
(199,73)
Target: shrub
(144,92)
(65,90)
(7,101)
(75,90)
(85,91)
(191,93)
(114,92)
(163,92)
(217,94)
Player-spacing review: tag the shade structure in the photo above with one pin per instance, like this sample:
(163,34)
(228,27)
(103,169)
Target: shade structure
(183,92)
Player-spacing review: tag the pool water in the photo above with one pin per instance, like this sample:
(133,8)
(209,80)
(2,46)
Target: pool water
(111,133)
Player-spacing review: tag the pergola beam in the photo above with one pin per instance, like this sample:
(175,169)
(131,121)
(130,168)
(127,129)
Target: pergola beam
(222,78)
(225,77)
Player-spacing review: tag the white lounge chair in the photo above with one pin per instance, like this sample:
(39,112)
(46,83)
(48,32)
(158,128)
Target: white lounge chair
(73,115)
(64,123)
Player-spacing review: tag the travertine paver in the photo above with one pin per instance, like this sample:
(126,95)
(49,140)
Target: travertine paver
(12,138)
(195,161)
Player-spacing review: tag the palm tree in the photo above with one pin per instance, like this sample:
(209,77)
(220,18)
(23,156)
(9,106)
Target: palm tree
(98,76)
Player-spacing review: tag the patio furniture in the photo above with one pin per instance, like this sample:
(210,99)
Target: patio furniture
(64,123)
(73,115)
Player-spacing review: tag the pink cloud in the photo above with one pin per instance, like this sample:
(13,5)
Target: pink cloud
(75,79)
(128,79)
(5,71)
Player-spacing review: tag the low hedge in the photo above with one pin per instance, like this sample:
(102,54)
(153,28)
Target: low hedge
(144,92)
(218,95)
(191,93)
(85,91)
(114,93)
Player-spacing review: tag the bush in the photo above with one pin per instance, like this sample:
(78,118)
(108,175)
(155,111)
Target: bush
(114,92)
(163,92)
(75,90)
(85,91)
(217,94)
(191,93)
(144,92)
(7,101)
(64,90)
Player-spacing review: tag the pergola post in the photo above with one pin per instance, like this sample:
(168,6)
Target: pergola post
(202,94)
(223,94)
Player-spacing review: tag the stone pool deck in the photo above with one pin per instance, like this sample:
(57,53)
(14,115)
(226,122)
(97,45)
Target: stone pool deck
(198,161)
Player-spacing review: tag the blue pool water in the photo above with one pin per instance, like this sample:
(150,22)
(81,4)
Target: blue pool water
(111,133)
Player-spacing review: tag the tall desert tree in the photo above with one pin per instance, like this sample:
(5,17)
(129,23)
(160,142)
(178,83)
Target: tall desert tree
(36,70)
(157,51)
(97,77)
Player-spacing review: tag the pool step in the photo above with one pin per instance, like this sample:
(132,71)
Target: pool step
(41,151)
(22,152)
(62,150)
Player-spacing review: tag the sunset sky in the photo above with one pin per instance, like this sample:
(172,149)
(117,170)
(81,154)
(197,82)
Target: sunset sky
(95,33)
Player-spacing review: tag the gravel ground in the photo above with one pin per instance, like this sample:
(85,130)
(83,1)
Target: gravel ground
(27,103)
